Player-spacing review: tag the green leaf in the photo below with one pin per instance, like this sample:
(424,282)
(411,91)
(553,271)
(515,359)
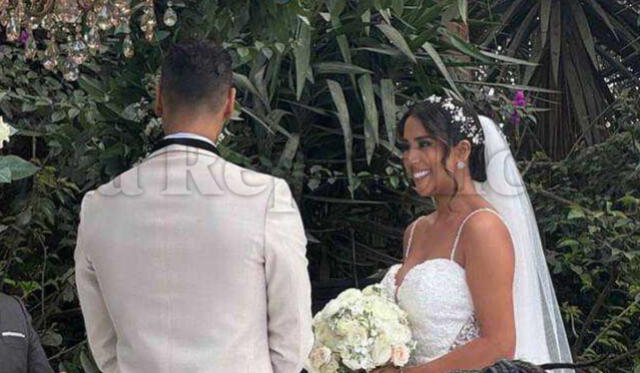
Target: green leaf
(576,212)
(568,242)
(398,7)
(556,38)
(343,116)
(87,364)
(585,30)
(289,152)
(397,39)
(243,82)
(604,15)
(18,167)
(339,68)
(545,19)
(371,137)
(435,56)
(302,53)
(508,59)
(467,48)
(51,338)
(256,117)
(382,50)
(389,108)
(515,6)
(5,175)
(462,9)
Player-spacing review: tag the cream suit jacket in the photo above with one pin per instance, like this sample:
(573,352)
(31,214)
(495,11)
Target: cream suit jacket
(189,263)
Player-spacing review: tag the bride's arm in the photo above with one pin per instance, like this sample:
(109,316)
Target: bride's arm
(489,262)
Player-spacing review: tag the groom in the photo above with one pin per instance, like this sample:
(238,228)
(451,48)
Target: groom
(187,262)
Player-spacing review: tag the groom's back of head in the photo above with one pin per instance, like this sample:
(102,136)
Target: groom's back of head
(195,74)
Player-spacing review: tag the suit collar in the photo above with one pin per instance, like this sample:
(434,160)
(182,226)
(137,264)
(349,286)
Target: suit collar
(164,145)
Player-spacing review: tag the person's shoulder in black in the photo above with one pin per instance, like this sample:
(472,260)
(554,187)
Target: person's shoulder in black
(20,348)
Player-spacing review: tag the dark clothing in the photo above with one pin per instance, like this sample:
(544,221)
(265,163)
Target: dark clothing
(20,349)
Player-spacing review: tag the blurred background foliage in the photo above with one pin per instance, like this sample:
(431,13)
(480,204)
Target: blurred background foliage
(321,86)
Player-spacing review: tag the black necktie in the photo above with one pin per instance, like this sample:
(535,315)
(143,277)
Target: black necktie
(196,143)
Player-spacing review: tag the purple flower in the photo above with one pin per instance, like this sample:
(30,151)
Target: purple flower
(24,37)
(519,100)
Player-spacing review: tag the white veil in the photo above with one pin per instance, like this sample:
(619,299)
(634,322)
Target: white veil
(540,333)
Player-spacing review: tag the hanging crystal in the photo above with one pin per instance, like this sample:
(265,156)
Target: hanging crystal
(20,11)
(13,30)
(30,47)
(68,10)
(116,16)
(78,51)
(51,55)
(90,18)
(127,47)
(49,22)
(33,23)
(148,22)
(124,7)
(170,16)
(4,4)
(103,19)
(4,17)
(70,71)
(92,40)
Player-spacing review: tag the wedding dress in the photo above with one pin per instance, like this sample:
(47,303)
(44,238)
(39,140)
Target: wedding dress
(435,293)
(437,299)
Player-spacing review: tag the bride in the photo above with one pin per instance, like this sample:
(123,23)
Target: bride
(474,280)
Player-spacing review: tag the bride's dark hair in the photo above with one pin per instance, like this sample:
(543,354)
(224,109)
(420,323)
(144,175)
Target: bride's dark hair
(439,122)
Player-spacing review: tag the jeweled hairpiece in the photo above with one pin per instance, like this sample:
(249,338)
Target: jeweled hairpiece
(467,124)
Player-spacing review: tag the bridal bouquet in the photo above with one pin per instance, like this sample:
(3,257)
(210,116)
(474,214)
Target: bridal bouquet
(360,331)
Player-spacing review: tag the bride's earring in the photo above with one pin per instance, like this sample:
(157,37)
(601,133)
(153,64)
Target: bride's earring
(461,165)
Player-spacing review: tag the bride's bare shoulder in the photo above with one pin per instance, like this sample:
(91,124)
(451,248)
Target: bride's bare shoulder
(487,230)
(422,221)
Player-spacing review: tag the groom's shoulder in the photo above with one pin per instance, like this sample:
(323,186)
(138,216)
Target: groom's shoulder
(229,177)
(248,182)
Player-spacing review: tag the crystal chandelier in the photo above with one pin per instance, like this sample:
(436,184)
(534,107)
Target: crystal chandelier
(68,32)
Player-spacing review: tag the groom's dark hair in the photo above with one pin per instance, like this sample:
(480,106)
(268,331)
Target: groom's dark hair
(197,73)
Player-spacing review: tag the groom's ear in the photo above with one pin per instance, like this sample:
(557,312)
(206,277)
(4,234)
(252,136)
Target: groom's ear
(230,103)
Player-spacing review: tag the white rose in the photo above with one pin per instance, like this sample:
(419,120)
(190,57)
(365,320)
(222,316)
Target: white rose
(382,310)
(373,290)
(400,355)
(320,356)
(5,132)
(352,364)
(331,309)
(324,335)
(354,334)
(331,367)
(381,352)
(349,295)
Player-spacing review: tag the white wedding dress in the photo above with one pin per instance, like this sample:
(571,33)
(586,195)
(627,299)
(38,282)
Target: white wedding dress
(436,297)
(435,293)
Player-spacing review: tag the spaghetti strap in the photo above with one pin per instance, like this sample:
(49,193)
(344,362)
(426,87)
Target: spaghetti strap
(412,229)
(455,243)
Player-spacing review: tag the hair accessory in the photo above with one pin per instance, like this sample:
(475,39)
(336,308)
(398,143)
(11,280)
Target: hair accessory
(467,125)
